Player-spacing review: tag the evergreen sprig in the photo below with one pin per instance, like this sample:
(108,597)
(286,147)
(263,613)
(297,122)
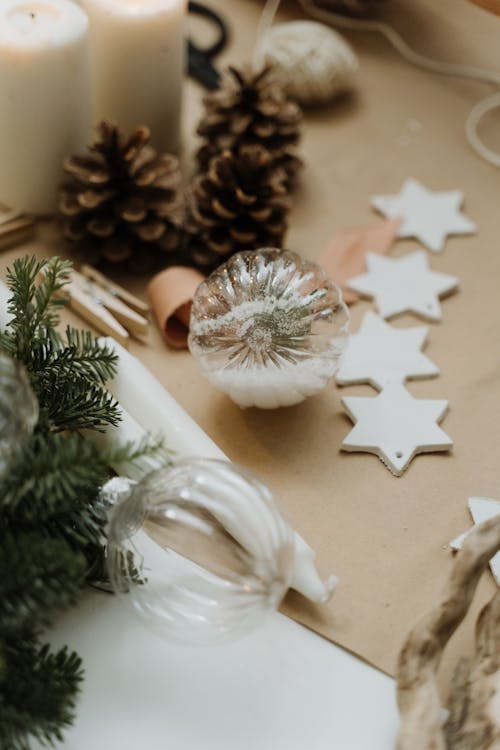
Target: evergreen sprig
(52,516)
(67,373)
(38,691)
(34,308)
(73,403)
(66,472)
(44,574)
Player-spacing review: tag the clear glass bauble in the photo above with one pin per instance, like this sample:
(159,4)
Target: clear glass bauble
(199,550)
(18,408)
(268,328)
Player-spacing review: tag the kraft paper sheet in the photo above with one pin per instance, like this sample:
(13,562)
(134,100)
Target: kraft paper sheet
(385,537)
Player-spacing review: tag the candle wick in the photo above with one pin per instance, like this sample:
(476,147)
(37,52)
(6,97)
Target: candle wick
(32,15)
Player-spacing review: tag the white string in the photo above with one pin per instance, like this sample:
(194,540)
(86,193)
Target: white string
(397,41)
(481,109)
(265,23)
(415,58)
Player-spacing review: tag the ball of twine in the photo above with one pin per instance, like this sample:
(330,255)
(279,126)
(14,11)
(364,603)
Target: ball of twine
(315,61)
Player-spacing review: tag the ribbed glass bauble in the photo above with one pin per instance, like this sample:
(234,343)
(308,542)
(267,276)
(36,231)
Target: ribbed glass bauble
(199,550)
(268,328)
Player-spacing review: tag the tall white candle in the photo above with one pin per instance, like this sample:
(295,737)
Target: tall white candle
(45,98)
(137,67)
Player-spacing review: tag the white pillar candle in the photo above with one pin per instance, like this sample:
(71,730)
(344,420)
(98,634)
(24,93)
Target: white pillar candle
(137,53)
(45,98)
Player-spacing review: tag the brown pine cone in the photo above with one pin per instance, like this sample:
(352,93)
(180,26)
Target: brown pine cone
(240,203)
(122,202)
(251,108)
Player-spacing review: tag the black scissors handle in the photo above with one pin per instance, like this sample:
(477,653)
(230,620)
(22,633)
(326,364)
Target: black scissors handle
(200,59)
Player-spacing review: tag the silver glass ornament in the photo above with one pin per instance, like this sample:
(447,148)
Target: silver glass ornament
(199,550)
(18,408)
(268,328)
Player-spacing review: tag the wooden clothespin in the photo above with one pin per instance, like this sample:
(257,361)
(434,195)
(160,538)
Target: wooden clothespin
(108,307)
(117,291)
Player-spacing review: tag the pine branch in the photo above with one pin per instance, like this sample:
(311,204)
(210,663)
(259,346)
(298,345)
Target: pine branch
(45,575)
(37,693)
(34,301)
(67,375)
(53,476)
(34,308)
(89,356)
(75,403)
(132,452)
(79,355)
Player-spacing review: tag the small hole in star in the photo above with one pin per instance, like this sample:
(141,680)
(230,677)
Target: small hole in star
(399,454)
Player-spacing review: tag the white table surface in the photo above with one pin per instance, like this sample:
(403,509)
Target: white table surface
(279,688)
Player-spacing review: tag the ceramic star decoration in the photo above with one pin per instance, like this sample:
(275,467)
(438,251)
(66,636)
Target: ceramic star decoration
(404,284)
(482,509)
(395,426)
(380,354)
(426,215)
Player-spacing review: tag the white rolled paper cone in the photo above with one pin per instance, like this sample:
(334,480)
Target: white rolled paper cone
(152,406)
(4,298)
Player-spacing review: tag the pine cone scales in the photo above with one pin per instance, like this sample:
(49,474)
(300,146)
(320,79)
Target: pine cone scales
(239,203)
(251,108)
(122,201)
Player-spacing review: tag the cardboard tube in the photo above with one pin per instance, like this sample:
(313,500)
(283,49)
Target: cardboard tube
(171,293)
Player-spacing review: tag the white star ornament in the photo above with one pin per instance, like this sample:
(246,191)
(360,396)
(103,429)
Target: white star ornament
(380,354)
(395,426)
(404,284)
(482,509)
(426,215)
